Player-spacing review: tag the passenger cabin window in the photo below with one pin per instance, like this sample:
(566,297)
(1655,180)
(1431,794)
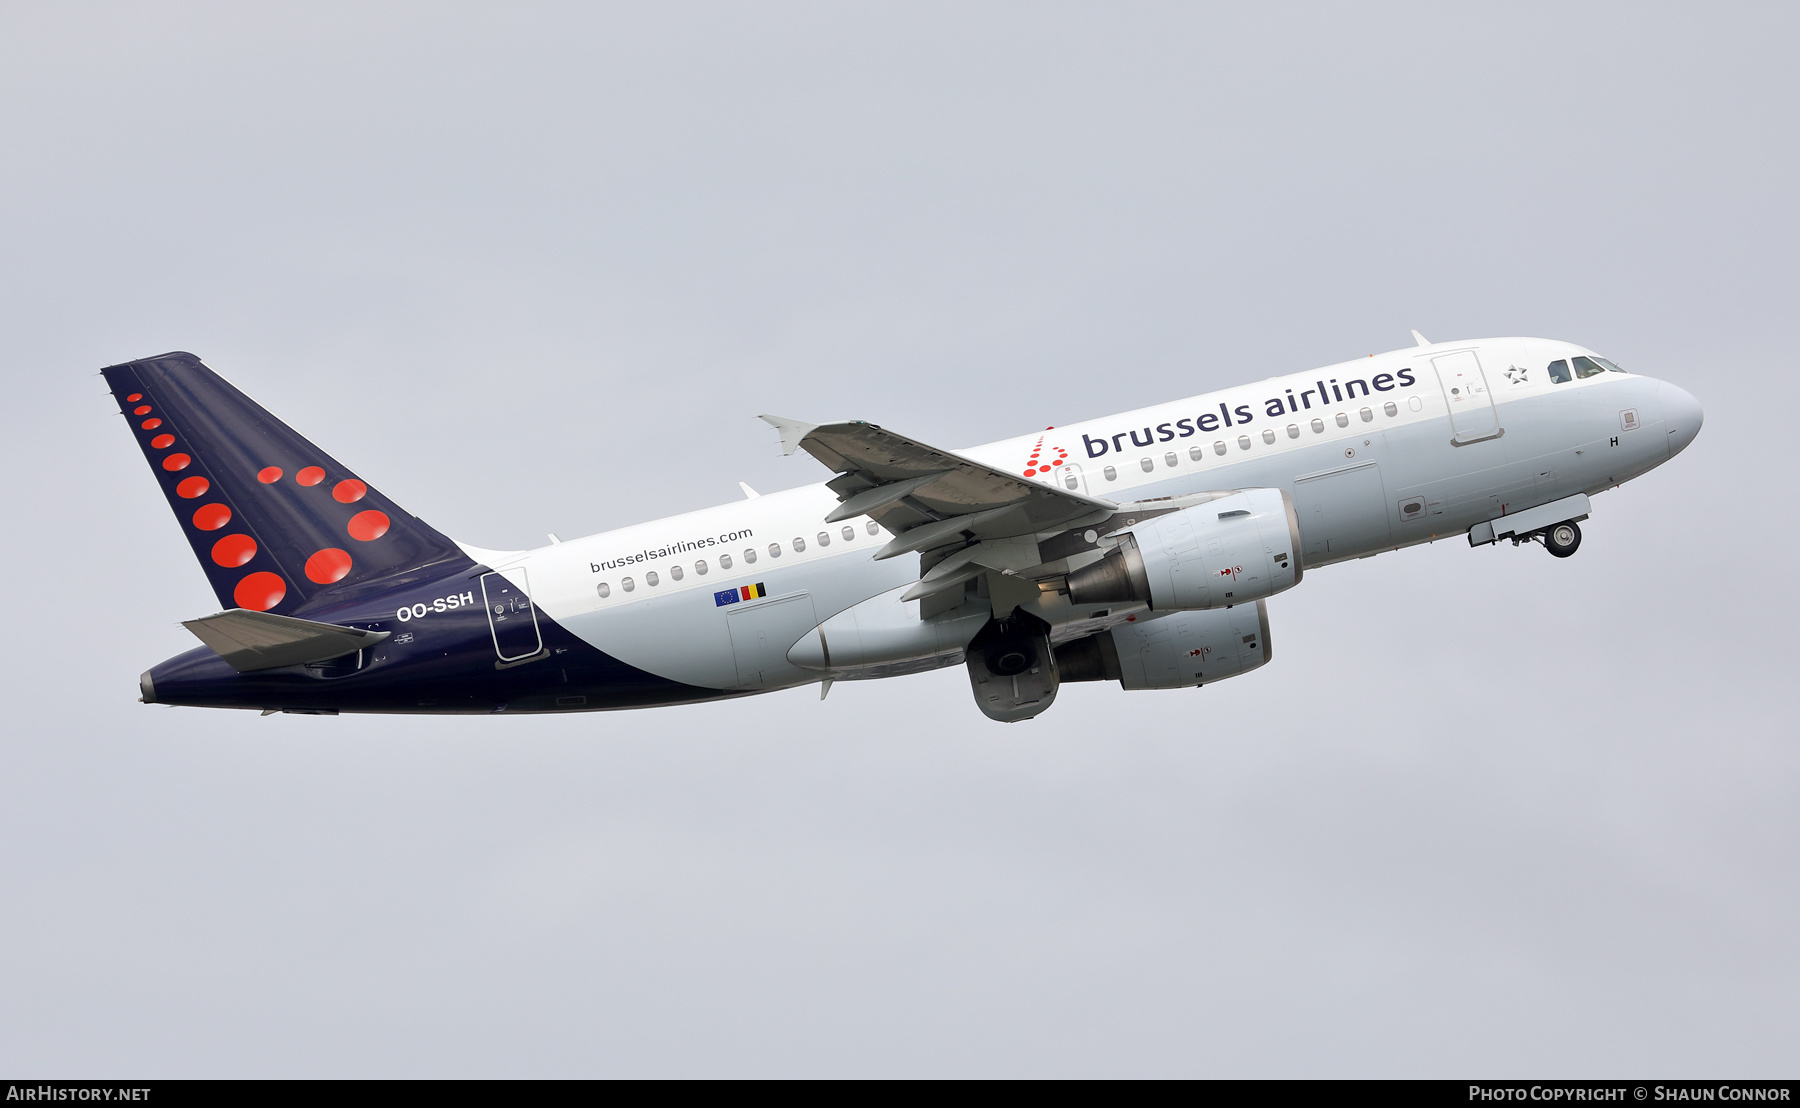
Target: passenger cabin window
(1219,447)
(651,579)
(1293,430)
(628,584)
(1318,426)
(1588,367)
(674,573)
(1269,437)
(1069,481)
(1391,408)
(873,526)
(724,561)
(1111,473)
(799,545)
(1243,442)
(1366,414)
(1146,464)
(1343,420)
(1195,453)
(1559,372)
(774,551)
(604,589)
(849,534)
(700,567)
(824,538)
(1170,459)
(749,556)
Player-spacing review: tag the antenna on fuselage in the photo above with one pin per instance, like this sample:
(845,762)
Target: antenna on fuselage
(1421,339)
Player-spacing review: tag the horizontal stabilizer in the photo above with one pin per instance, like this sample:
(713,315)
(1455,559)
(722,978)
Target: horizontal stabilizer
(250,641)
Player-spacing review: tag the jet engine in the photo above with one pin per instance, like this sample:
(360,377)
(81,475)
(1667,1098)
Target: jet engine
(1232,550)
(1172,651)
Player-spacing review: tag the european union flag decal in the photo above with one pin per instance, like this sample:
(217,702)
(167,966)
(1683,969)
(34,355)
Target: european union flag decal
(728,596)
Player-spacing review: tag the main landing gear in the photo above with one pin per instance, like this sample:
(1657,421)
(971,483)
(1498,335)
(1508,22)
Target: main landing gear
(1563,540)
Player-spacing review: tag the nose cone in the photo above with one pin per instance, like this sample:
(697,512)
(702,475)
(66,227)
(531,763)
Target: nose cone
(1681,414)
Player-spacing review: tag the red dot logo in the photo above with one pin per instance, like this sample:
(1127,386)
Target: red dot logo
(270,475)
(151,424)
(192,487)
(233,551)
(259,591)
(211,517)
(310,476)
(327,566)
(176,461)
(368,526)
(349,492)
(142,409)
(163,442)
(134,398)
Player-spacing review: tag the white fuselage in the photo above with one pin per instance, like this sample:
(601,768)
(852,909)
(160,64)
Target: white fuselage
(1427,442)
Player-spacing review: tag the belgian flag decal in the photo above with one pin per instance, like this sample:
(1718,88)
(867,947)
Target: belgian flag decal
(732,596)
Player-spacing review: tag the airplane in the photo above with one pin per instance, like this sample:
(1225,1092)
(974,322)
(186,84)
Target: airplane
(1139,548)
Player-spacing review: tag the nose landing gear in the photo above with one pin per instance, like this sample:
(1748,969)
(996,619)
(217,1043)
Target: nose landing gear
(1563,539)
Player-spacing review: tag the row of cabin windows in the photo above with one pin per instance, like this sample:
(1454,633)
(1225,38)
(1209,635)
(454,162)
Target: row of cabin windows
(676,573)
(1197,452)
(1584,367)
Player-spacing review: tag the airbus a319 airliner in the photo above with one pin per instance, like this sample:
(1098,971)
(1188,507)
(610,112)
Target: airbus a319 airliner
(1138,548)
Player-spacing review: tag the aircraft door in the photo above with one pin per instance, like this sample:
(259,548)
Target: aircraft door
(762,633)
(1342,514)
(511,617)
(1070,477)
(1466,393)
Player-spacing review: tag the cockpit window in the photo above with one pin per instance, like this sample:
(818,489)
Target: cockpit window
(1559,372)
(1588,367)
(1611,367)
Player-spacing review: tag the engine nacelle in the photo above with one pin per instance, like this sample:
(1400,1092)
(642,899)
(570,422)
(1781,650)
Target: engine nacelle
(1233,550)
(1174,651)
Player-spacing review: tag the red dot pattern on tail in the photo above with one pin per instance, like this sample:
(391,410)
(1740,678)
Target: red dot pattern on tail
(368,526)
(260,591)
(327,566)
(211,517)
(233,551)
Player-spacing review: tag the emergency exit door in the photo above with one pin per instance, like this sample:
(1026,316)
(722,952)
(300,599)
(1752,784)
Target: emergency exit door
(511,617)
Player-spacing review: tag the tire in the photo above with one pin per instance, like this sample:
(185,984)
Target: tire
(1563,540)
(1011,655)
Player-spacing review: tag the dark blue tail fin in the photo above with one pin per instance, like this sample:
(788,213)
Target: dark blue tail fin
(277,524)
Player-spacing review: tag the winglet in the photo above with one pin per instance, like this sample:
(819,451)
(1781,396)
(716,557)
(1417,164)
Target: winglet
(792,431)
(1420,339)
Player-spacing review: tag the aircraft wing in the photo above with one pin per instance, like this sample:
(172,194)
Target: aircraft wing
(962,516)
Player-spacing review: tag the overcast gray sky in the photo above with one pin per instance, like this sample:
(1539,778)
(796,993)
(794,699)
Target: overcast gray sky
(537,267)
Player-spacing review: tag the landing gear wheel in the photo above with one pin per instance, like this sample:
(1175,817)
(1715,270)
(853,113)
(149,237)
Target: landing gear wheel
(1563,540)
(1010,656)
